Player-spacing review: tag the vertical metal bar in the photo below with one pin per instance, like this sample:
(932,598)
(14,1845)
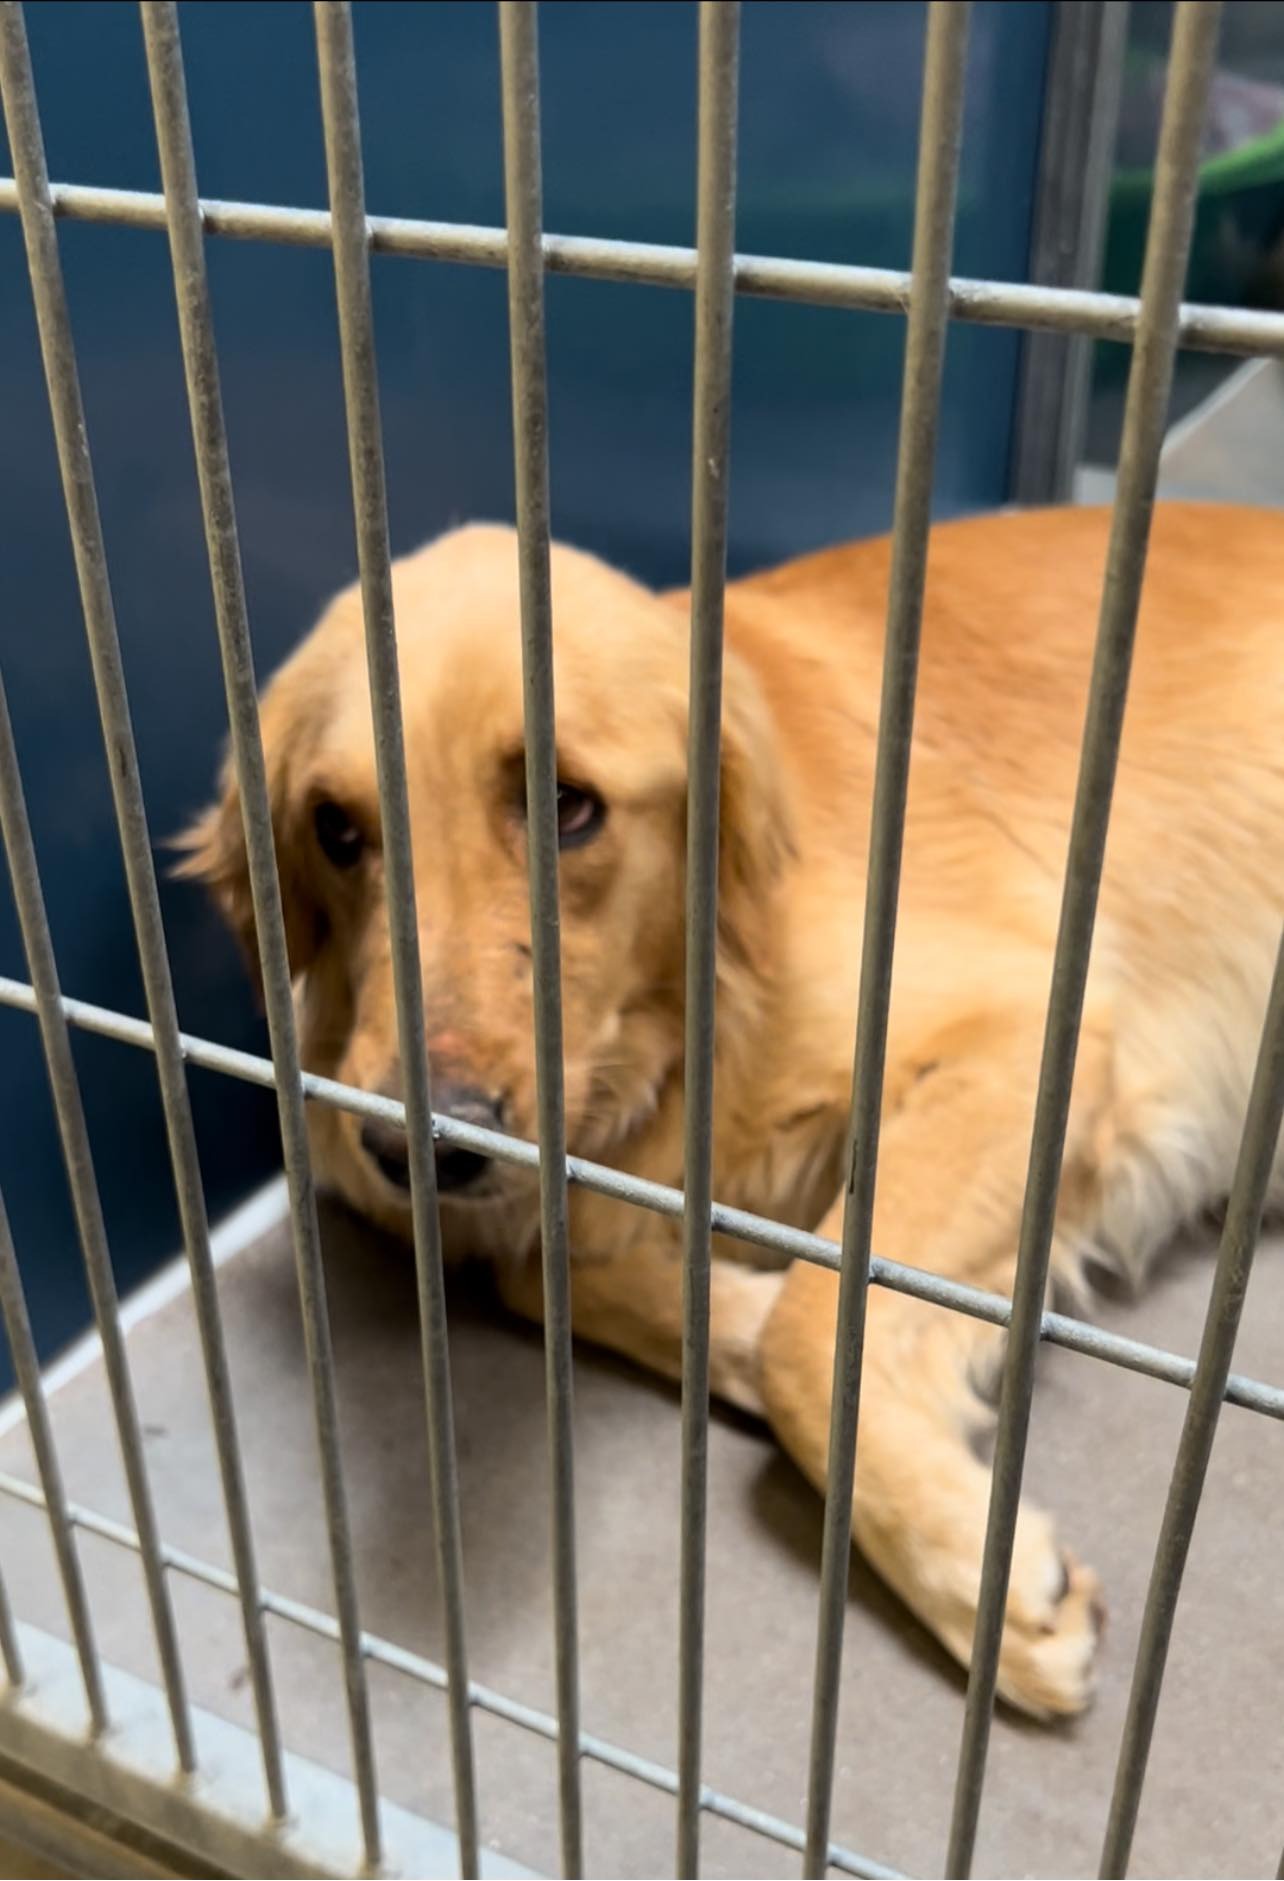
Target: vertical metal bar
(26,1365)
(10,1650)
(940,139)
(53,321)
(719,68)
(523,197)
(145,907)
(1257,1152)
(59,354)
(196,1238)
(341,115)
(1167,247)
(1076,163)
(57,347)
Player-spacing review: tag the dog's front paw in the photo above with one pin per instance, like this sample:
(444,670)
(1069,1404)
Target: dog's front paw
(741,1302)
(1055,1619)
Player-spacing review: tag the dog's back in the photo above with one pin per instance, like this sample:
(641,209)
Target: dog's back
(1192,898)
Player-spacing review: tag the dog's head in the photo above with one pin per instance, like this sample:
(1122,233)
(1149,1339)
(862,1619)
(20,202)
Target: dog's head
(620,670)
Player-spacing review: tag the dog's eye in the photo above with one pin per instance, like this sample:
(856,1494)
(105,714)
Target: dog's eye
(579,816)
(341,841)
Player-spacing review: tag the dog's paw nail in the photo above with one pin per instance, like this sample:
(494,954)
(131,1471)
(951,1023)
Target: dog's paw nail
(1064,1589)
(1048,1664)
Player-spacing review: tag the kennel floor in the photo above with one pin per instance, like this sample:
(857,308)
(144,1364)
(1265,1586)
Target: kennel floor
(1101,1450)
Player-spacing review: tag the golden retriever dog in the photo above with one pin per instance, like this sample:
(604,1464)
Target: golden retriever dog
(1189,919)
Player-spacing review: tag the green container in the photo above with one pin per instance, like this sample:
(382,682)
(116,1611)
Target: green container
(1240,214)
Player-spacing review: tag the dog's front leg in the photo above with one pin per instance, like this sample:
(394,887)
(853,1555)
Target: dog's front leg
(630,1300)
(950,1180)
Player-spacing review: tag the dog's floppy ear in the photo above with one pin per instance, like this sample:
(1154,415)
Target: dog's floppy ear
(755,837)
(213,849)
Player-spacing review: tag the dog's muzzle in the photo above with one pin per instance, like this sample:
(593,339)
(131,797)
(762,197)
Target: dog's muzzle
(458,1170)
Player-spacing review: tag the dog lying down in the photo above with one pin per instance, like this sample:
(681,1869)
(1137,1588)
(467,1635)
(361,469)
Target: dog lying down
(1190,915)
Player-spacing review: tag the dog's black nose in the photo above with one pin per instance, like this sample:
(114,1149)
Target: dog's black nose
(457,1168)
(385,1145)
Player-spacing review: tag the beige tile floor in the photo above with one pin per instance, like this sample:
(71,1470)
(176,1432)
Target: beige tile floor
(1102,1447)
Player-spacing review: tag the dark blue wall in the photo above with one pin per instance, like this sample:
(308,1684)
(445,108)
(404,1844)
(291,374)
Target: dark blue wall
(829,116)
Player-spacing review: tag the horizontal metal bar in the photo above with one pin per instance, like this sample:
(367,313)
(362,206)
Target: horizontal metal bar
(427,1672)
(776,1237)
(46,1819)
(112,1807)
(1251,332)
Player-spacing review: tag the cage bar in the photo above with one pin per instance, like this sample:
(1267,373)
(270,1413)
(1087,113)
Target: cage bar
(1239,1239)
(424,1671)
(58,354)
(53,1495)
(341,117)
(200,358)
(1059,1329)
(1251,332)
(1150,379)
(523,198)
(1157,323)
(10,1650)
(940,139)
(1082,96)
(719,57)
(57,347)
